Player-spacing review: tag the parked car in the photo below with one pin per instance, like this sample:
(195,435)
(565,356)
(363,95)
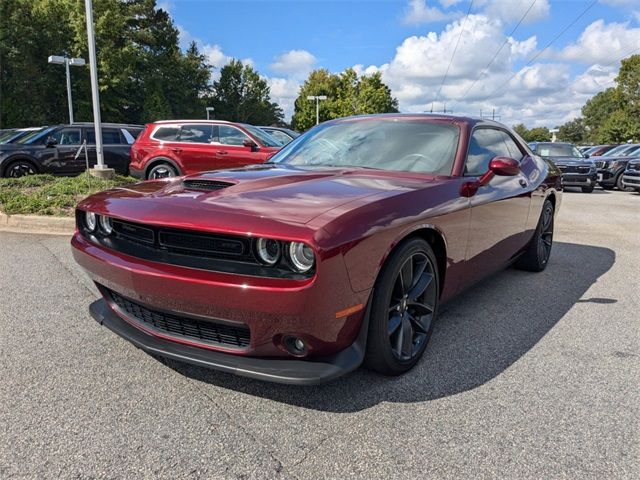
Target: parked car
(53,149)
(181,147)
(610,169)
(597,150)
(620,150)
(283,135)
(631,176)
(344,245)
(577,171)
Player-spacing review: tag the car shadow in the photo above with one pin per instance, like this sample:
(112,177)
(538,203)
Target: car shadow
(478,336)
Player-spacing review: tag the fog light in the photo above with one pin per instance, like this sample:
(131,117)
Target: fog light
(295,346)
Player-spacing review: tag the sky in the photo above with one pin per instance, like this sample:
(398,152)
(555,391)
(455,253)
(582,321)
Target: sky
(531,61)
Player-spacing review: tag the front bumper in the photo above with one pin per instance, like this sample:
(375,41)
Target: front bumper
(289,371)
(631,180)
(607,177)
(139,174)
(579,179)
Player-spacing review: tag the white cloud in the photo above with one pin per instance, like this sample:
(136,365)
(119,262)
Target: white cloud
(284,92)
(511,11)
(602,43)
(296,63)
(418,12)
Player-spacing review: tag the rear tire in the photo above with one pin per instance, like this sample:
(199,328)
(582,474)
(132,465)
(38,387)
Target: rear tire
(588,189)
(161,170)
(536,256)
(403,310)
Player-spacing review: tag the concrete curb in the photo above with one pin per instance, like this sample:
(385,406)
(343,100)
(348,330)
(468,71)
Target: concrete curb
(37,224)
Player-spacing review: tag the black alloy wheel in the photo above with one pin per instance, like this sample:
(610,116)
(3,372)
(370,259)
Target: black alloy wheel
(536,257)
(162,170)
(403,308)
(20,168)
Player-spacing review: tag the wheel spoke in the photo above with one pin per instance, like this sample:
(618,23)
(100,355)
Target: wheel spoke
(420,309)
(407,337)
(421,324)
(406,275)
(420,286)
(394,323)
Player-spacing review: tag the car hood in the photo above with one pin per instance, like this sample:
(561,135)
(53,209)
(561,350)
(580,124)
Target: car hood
(571,161)
(271,192)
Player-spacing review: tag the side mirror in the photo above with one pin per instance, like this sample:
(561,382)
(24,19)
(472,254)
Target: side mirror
(51,142)
(586,155)
(249,143)
(504,166)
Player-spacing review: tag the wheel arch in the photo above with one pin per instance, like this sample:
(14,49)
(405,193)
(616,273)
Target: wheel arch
(157,160)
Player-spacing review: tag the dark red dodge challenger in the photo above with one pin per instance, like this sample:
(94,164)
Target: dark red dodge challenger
(336,252)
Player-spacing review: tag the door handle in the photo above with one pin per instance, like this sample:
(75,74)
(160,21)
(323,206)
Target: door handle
(176,149)
(222,152)
(523,183)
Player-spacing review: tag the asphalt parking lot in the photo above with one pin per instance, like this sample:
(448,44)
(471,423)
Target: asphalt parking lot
(527,376)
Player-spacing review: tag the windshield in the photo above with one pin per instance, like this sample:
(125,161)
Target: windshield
(32,137)
(6,135)
(15,136)
(266,139)
(557,150)
(385,144)
(625,152)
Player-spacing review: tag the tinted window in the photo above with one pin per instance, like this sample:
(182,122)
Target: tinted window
(67,136)
(393,144)
(196,133)
(280,136)
(167,134)
(231,136)
(265,138)
(109,136)
(485,144)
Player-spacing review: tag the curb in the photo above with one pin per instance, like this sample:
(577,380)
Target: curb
(37,224)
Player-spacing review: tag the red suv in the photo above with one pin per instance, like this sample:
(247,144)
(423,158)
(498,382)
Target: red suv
(182,147)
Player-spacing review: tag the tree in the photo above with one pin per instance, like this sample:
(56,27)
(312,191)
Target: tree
(619,127)
(597,109)
(538,134)
(240,95)
(573,131)
(347,94)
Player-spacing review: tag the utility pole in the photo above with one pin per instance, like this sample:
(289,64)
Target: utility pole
(100,170)
(74,62)
(317,98)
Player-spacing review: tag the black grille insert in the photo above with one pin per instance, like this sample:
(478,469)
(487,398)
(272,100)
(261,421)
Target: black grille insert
(206,184)
(203,331)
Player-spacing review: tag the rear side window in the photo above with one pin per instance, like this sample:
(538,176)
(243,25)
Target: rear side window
(109,136)
(166,134)
(196,133)
(130,134)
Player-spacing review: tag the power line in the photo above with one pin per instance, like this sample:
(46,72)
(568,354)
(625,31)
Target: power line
(454,51)
(506,40)
(531,60)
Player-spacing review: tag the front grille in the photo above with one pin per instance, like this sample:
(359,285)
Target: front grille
(202,243)
(574,169)
(203,331)
(206,184)
(631,180)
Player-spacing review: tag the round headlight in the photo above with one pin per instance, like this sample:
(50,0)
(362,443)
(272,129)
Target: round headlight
(268,250)
(90,221)
(301,256)
(106,225)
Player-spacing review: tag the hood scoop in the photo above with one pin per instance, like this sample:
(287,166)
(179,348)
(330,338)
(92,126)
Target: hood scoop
(206,185)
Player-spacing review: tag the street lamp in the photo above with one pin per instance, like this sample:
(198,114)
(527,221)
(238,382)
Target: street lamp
(74,62)
(317,98)
(209,110)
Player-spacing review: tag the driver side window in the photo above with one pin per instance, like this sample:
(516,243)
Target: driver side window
(67,136)
(485,144)
(231,136)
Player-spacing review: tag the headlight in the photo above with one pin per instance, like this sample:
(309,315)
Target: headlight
(268,250)
(90,221)
(106,225)
(301,256)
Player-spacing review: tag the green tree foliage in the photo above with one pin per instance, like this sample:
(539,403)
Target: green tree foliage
(240,95)
(538,134)
(143,74)
(573,131)
(347,94)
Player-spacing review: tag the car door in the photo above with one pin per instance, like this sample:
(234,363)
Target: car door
(67,143)
(115,150)
(197,153)
(499,209)
(231,152)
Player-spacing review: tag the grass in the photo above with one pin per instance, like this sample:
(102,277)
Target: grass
(49,195)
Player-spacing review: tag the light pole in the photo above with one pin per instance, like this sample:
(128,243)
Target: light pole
(209,110)
(100,170)
(317,98)
(74,62)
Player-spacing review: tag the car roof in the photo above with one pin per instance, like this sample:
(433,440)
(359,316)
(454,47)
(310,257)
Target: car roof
(469,120)
(199,120)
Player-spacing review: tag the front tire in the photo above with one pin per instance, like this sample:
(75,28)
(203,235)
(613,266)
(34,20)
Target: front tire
(403,310)
(19,168)
(587,189)
(536,256)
